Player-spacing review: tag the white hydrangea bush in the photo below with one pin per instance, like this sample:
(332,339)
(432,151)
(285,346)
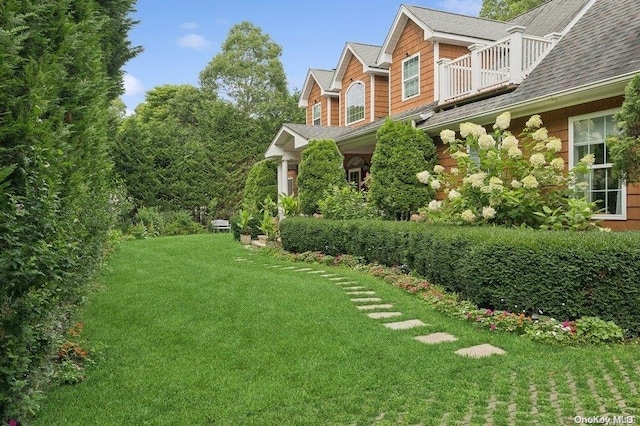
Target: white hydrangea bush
(509,180)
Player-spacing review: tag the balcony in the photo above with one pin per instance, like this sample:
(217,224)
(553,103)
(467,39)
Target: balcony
(489,67)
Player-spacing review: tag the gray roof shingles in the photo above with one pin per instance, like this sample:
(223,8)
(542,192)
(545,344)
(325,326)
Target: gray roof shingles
(367,52)
(552,16)
(323,78)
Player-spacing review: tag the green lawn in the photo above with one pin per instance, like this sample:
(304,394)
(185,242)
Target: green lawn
(195,336)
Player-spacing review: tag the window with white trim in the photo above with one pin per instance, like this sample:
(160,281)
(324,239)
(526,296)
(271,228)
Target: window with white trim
(587,134)
(411,77)
(316,114)
(355,103)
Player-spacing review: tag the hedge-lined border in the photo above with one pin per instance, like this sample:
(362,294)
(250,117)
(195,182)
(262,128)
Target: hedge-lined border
(566,275)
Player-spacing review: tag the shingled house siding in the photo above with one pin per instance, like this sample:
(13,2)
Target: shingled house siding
(451,51)
(315,97)
(411,42)
(352,74)
(557,124)
(335,110)
(381,97)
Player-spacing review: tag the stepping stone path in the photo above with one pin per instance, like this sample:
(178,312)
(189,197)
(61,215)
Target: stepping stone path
(480,351)
(377,315)
(434,338)
(366,299)
(404,325)
(477,351)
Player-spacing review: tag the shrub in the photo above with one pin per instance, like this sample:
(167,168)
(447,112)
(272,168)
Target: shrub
(346,203)
(563,274)
(152,220)
(624,149)
(508,181)
(262,182)
(180,223)
(401,152)
(290,205)
(320,167)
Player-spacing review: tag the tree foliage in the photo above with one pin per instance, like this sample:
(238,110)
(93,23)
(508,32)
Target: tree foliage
(247,71)
(262,182)
(60,69)
(505,10)
(320,168)
(624,148)
(401,152)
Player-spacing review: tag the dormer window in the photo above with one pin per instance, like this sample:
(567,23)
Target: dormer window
(410,77)
(317,114)
(355,103)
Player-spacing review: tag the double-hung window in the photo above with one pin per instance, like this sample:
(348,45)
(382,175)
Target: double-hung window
(317,114)
(355,103)
(587,134)
(411,77)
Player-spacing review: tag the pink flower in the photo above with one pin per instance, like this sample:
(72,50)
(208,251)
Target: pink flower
(488,312)
(566,324)
(492,327)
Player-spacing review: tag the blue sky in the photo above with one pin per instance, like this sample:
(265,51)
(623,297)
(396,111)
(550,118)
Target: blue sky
(181,37)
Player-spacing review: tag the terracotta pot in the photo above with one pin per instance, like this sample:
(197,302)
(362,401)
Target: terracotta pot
(245,239)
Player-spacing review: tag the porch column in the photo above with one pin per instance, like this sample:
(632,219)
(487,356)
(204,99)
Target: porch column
(476,67)
(515,54)
(283,183)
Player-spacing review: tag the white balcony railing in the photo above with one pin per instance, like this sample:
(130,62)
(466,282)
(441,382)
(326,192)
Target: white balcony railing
(507,61)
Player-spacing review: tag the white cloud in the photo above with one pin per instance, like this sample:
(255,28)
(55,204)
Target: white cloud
(190,26)
(132,86)
(194,41)
(465,7)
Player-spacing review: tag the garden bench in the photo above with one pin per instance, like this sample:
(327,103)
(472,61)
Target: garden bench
(221,225)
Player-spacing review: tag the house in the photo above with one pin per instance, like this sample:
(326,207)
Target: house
(568,61)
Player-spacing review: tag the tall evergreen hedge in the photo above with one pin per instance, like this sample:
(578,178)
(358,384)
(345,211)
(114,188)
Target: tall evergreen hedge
(262,182)
(401,152)
(60,66)
(321,167)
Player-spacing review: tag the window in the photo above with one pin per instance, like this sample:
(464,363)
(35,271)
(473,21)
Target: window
(587,135)
(317,112)
(355,103)
(289,186)
(411,77)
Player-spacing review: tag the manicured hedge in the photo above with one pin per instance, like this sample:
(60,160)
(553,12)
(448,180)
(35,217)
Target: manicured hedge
(565,275)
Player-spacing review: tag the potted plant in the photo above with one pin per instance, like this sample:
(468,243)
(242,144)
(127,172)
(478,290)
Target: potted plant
(269,227)
(243,224)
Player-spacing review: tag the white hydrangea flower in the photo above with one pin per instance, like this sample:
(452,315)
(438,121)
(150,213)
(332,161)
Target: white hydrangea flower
(486,189)
(435,184)
(453,194)
(530,182)
(447,136)
(459,154)
(516,184)
(588,159)
(423,177)
(509,142)
(534,122)
(488,212)
(455,171)
(583,185)
(503,121)
(468,216)
(486,142)
(514,152)
(477,179)
(537,160)
(472,129)
(496,184)
(540,134)
(554,145)
(557,164)
(438,169)
(435,205)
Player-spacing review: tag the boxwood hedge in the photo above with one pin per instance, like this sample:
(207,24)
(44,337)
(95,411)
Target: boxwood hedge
(565,275)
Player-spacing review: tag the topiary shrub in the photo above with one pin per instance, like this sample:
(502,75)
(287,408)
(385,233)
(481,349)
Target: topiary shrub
(321,167)
(401,152)
(262,182)
(346,203)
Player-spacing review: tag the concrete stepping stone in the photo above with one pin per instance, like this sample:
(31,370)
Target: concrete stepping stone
(275,266)
(328,275)
(316,272)
(378,315)
(434,338)
(358,287)
(363,293)
(373,307)
(337,278)
(345,282)
(403,325)
(289,267)
(240,259)
(366,299)
(480,351)
(302,270)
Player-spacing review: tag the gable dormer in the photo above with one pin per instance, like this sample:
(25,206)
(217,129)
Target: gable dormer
(321,103)
(363,85)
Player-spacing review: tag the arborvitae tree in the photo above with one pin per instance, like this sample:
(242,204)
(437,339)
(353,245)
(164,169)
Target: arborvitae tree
(59,72)
(321,167)
(624,148)
(401,153)
(262,182)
